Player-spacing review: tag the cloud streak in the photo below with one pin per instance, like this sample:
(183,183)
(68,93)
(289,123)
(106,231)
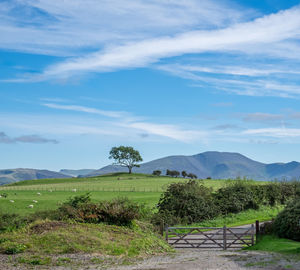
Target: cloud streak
(127,121)
(36,139)
(265,31)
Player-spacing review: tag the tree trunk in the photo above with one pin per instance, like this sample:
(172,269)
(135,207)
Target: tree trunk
(129,168)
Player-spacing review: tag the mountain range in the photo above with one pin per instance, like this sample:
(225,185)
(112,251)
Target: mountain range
(14,175)
(217,165)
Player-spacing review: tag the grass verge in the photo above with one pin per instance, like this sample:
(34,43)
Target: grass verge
(272,243)
(53,237)
(264,213)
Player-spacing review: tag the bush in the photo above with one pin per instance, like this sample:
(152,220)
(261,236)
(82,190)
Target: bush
(236,197)
(189,202)
(120,211)
(286,224)
(156,172)
(10,222)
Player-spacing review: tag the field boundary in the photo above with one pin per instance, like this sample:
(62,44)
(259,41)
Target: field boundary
(82,189)
(211,237)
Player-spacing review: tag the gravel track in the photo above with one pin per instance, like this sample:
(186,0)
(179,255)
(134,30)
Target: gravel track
(190,259)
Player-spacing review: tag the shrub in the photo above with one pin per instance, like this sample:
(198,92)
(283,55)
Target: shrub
(236,197)
(286,224)
(120,211)
(157,173)
(273,193)
(192,176)
(189,201)
(9,222)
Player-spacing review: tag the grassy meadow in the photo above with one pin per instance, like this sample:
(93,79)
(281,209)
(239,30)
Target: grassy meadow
(137,187)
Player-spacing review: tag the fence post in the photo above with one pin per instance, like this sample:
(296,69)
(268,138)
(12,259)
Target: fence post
(161,229)
(252,234)
(224,238)
(257,233)
(167,232)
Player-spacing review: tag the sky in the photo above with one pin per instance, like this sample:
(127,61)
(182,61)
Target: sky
(168,77)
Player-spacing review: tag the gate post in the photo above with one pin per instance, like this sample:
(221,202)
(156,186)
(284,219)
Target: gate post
(257,230)
(252,235)
(224,238)
(161,228)
(167,231)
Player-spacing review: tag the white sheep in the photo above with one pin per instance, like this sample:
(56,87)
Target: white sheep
(12,201)
(34,201)
(38,193)
(50,190)
(74,190)
(30,206)
(0,196)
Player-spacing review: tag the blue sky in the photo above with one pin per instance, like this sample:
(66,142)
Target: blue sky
(166,77)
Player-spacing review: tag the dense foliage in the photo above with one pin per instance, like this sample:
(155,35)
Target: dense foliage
(187,201)
(119,211)
(190,202)
(287,223)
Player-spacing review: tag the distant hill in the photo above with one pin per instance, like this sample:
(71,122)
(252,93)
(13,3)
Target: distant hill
(75,173)
(218,165)
(15,175)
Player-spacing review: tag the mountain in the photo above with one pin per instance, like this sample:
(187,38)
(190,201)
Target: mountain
(75,173)
(15,175)
(218,165)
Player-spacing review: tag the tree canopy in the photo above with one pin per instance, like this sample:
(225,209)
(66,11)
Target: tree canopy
(125,156)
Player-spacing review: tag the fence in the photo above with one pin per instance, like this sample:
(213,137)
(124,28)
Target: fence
(210,237)
(81,188)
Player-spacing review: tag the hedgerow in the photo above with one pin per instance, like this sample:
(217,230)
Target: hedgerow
(190,202)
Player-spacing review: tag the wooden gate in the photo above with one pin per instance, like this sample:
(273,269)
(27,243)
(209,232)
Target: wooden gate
(210,237)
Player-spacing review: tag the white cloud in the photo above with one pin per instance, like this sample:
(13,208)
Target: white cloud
(113,114)
(169,131)
(64,27)
(126,121)
(238,84)
(274,132)
(266,31)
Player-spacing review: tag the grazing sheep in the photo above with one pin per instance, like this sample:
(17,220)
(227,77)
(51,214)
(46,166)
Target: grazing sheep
(74,190)
(30,206)
(38,193)
(0,196)
(12,201)
(50,190)
(34,201)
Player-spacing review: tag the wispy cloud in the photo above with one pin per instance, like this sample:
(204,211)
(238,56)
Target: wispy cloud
(261,33)
(65,27)
(126,120)
(25,139)
(258,86)
(113,114)
(262,117)
(274,132)
(226,127)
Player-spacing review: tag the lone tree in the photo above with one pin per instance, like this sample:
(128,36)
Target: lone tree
(125,156)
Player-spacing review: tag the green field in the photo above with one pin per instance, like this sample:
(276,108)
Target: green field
(138,187)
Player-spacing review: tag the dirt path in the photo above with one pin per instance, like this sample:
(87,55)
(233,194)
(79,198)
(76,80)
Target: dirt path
(216,260)
(187,259)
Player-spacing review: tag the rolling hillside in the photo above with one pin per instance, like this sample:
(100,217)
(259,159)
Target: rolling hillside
(15,175)
(218,165)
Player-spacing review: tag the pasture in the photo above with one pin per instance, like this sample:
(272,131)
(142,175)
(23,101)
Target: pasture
(138,187)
